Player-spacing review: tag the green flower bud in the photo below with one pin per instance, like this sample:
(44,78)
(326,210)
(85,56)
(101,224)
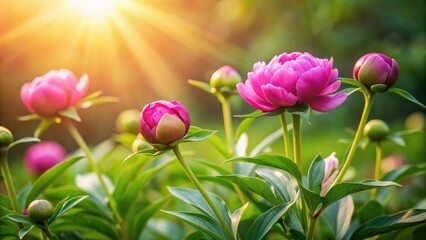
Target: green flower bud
(6,137)
(225,80)
(376,130)
(139,144)
(128,121)
(40,210)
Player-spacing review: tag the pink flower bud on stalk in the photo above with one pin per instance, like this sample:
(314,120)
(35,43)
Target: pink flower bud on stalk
(40,210)
(376,68)
(53,92)
(331,163)
(290,79)
(163,122)
(42,156)
(225,80)
(6,137)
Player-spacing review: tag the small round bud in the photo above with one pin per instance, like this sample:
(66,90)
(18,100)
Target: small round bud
(128,121)
(376,130)
(40,210)
(376,71)
(139,144)
(6,137)
(225,80)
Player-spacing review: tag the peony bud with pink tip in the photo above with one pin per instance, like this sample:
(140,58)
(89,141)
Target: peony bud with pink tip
(42,156)
(225,80)
(163,122)
(53,92)
(330,173)
(376,68)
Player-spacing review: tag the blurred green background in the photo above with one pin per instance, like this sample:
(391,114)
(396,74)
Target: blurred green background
(142,51)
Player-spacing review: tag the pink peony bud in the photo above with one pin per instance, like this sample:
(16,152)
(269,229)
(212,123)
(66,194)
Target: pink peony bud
(331,163)
(376,68)
(6,137)
(290,79)
(42,156)
(163,122)
(53,92)
(225,80)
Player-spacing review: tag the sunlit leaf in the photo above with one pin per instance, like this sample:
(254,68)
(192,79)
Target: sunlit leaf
(242,127)
(97,101)
(203,223)
(195,134)
(29,117)
(24,231)
(42,126)
(65,206)
(20,218)
(280,181)
(200,85)
(389,223)
(23,140)
(266,221)
(236,217)
(404,94)
(352,82)
(71,113)
(338,216)
(48,177)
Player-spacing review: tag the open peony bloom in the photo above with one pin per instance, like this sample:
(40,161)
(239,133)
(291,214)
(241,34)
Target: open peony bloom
(42,156)
(163,122)
(330,173)
(53,92)
(290,79)
(376,68)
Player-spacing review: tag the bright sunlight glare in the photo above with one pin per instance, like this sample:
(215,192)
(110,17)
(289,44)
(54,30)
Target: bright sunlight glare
(95,9)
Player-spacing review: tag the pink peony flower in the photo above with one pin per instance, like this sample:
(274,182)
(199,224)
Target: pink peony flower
(331,163)
(53,92)
(376,68)
(290,79)
(164,122)
(42,156)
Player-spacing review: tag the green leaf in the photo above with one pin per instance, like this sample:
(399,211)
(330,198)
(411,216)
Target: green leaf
(370,210)
(197,235)
(350,91)
(389,223)
(140,218)
(203,223)
(242,127)
(71,113)
(338,216)
(236,217)
(127,175)
(23,140)
(200,85)
(379,88)
(219,145)
(312,199)
(272,160)
(29,117)
(48,177)
(20,218)
(342,190)
(281,182)
(97,101)
(194,198)
(147,152)
(92,96)
(266,221)
(42,126)
(300,109)
(352,82)
(255,185)
(316,174)
(24,231)
(65,206)
(213,166)
(404,94)
(259,113)
(195,134)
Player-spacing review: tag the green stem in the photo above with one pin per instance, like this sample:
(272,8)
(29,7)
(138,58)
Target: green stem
(47,232)
(368,96)
(378,166)
(311,229)
(297,146)
(227,123)
(200,188)
(80,141)
(285,135)
(8,179)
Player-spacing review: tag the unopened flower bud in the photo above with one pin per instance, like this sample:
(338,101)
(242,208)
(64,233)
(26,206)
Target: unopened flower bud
(376,130)
(40,210)
(139,144)
(6,137)
(128,121)
(376,69)
(330,173)
(164,122)
(225,80)
(42,156)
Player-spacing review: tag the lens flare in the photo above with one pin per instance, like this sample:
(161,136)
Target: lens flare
(95,9)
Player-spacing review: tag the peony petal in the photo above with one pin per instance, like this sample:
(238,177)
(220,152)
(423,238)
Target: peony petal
(25,96)
(328,102)
(278,96)
(169,129)
(330,88)
(311,83)
(182,114)
(80,90)
(249,95)
(48,101)
(285,78)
